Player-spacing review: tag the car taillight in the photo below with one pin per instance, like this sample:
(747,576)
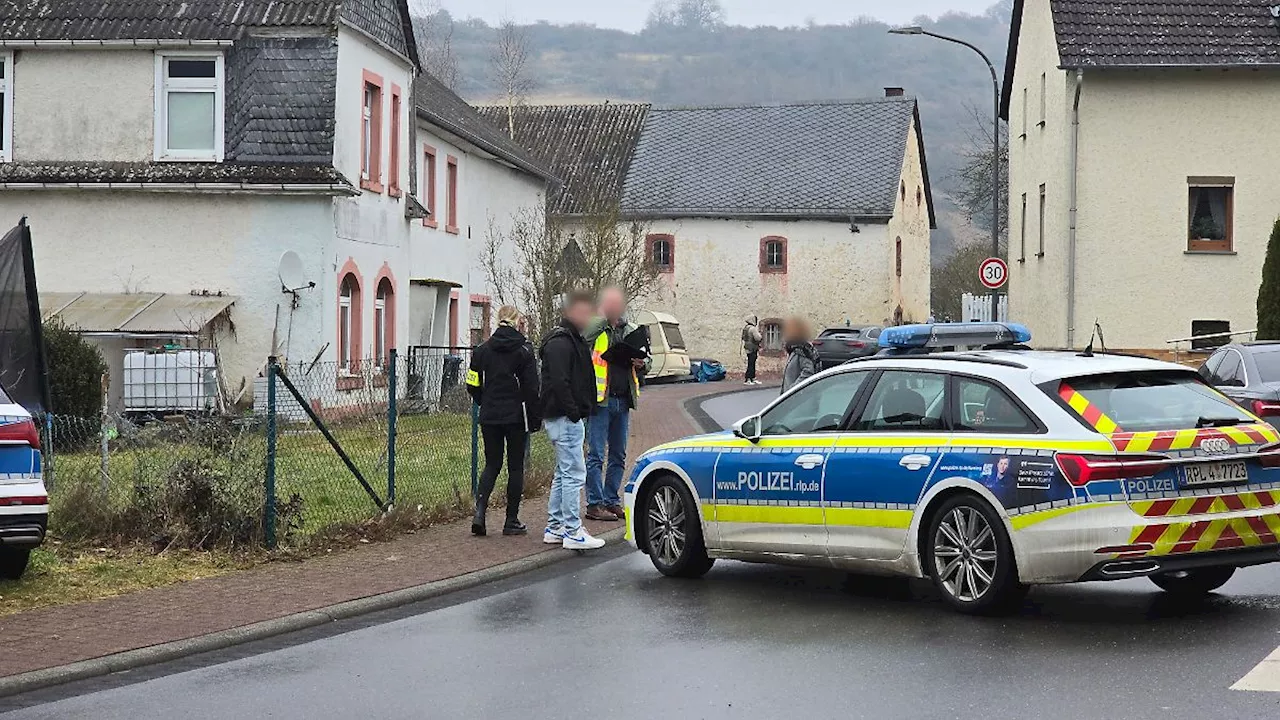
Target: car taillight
(817,343)
(1080,470)
(854,343)
(1265,408)
(1269,456)
(21,431)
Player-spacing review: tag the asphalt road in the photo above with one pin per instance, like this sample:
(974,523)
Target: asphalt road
(606,636)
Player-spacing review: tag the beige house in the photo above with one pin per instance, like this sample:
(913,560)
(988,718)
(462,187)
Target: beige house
(822,210)
(1142,166)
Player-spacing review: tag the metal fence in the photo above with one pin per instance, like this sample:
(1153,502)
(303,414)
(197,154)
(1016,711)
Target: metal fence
(325,449)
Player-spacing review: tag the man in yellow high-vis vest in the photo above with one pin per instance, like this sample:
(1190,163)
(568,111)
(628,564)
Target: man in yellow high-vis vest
(617,394)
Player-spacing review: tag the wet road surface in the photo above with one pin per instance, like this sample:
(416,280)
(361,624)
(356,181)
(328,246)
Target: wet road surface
(612,638)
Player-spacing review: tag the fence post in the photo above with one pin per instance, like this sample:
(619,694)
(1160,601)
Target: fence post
(392,357)
(475,450)
(269,509)
(103,460)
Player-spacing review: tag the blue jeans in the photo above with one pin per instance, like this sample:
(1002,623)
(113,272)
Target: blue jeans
(564,509)
(609,426)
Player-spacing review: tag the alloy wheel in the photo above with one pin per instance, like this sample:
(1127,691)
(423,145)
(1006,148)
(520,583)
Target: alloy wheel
(965,554)
(666,525)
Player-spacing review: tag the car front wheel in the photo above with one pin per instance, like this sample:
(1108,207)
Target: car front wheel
(1193,583)
(970,558)
(13,563)
(673,531)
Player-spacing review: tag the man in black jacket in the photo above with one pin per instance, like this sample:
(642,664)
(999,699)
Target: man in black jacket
(503,380)
(568,397)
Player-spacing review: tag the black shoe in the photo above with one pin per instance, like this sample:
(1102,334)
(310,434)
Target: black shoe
(514,527)
(477,522)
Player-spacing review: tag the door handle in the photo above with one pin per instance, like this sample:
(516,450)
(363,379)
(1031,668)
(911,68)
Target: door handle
(916,462)
(809,462)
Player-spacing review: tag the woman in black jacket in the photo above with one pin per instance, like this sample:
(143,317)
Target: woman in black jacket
(503,380)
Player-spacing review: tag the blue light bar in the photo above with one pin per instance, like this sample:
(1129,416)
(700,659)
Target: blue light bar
(940,335)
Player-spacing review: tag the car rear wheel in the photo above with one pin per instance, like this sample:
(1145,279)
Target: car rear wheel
(672,530)
(1193,583)
(13,563)
(970,558)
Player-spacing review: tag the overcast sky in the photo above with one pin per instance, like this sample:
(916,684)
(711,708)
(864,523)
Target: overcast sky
(631,14)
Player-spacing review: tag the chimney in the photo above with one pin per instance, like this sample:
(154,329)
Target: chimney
(893,92)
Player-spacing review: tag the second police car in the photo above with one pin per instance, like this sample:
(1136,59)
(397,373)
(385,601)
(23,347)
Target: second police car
(986,470)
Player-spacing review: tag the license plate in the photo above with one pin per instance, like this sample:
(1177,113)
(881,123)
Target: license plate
(1215,473)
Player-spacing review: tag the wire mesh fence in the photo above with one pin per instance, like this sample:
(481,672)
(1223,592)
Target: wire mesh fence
(350,443)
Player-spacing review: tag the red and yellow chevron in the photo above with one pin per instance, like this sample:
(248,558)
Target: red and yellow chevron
(1158,441)
(1091,413)
(1206,535)
(1173,507)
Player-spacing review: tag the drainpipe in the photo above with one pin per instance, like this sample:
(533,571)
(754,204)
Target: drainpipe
(1071,240)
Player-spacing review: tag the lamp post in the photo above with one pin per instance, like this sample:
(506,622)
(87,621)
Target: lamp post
(995,145)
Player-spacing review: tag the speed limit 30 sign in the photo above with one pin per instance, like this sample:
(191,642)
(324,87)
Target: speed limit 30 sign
(994,273)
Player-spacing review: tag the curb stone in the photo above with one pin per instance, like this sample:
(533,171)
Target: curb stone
(165,652)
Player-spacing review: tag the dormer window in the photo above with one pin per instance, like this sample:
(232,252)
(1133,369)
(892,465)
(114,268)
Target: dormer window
(189,107)
(6,105)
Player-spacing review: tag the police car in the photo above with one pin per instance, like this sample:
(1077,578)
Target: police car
(24,504)
(986,470)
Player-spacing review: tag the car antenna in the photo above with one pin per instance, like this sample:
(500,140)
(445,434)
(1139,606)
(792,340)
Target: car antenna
(1088,349)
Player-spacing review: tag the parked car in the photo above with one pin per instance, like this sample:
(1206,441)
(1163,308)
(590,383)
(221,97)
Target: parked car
(1248,373)
(670,359)
(841,344)
(24,504)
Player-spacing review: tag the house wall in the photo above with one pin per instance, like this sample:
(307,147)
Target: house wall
(833,276)
(115,242)
(1040,156)
(53,88)
(910,223)
(1142,135)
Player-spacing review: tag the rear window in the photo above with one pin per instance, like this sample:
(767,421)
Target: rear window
(1143,401)
(675,340)
(841,332)
(1268,363)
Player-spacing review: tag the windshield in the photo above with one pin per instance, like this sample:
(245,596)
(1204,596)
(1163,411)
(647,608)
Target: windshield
(1141,401)
(675,340)
(1268,362)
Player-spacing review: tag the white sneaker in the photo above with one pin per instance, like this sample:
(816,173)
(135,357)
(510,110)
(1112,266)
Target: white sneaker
(581,540)
(552,536)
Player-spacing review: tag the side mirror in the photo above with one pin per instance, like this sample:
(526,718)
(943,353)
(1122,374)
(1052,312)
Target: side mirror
(748,428)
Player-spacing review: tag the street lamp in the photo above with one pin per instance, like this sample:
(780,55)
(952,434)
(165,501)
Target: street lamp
(995,137)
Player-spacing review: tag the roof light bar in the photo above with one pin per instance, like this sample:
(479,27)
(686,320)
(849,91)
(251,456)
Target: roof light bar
(940,335)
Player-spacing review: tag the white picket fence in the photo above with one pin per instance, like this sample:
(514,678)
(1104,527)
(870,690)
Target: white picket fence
(977,308)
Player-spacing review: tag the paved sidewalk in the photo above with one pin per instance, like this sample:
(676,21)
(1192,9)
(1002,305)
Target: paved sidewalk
(57,636)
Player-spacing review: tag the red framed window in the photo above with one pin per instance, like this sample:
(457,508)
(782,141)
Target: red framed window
(350,310)
(371,133)
(773,254)
(661,249)
(393,161)
(429,186)
(384,321)
(451,196)
(481,307)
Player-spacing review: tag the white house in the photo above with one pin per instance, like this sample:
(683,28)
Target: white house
(822,210)
(1141,167)
(173,158)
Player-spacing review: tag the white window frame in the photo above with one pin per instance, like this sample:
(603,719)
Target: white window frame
(379,328)
(366,131)
(162,90)
(346,306)
(6,108)
(773,260)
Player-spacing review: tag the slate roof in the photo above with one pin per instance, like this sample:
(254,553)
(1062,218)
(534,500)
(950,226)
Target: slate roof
(442,107)
(386,20)
(165,172)
(814,160)
(1167,34)
(280,94)
(588,146)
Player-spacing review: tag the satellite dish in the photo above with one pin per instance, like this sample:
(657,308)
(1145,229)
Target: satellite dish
(291,278)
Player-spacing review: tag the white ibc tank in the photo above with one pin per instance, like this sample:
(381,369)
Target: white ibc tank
(176,381)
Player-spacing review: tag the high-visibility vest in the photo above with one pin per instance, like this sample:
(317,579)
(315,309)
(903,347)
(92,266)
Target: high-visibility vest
(602,367)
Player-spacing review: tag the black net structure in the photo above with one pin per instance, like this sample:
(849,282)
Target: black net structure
(21,347)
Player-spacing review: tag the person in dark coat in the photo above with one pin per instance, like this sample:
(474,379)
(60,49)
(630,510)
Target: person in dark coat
(503,380)
(802,356)
(568,398)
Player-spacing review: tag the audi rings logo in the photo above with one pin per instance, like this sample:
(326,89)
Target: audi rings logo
(1215,446)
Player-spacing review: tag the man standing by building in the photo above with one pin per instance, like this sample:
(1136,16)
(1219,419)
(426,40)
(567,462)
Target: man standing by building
(751,339)
(568,398)
(617,393)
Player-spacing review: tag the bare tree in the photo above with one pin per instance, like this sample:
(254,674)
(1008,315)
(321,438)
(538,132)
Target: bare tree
(700,14)
(509,65)
(615,254)
(433,31)
(973,179)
